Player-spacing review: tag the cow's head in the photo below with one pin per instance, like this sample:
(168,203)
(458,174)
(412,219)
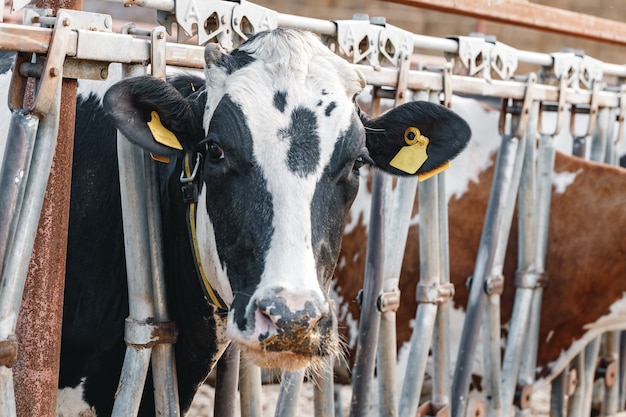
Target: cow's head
(281,143)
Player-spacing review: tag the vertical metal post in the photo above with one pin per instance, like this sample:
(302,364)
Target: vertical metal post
(138,265)
(163,360)
(323,391)
(370,316)
(226,382)
(490,252)
(426,311)
(290,387)
(610,351)
(250,389)
(528,270)
(16,261)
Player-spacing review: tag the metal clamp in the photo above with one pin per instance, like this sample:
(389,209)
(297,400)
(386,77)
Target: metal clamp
(373,40)
(434,294)
(229,23)
(8,351)
(144,334)
(483,56)
(591,109)
(518,129)
(560,110)
(388,301)
(494,285)
(531,279)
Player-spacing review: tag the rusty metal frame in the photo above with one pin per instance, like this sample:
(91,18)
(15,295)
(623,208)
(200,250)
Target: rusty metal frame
(531,15)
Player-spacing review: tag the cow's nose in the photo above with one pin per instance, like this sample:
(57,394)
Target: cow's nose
(288,309)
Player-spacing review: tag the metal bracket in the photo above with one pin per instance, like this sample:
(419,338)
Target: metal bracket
(519,128)
(522,396)
(373,40)
(51,70)
(144,334)
(388,301)
(484,56)
(531,279)
(437,294)
(577,68)
(226,22)
(591,109)
(560,109)
(494,285)
(8,351)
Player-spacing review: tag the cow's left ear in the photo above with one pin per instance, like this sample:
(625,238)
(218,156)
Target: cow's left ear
(416,138)
(154,115)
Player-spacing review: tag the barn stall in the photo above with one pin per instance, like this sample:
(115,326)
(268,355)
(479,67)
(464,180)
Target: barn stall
(83,44)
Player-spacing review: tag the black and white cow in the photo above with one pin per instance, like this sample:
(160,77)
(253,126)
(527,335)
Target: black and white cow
(279,142)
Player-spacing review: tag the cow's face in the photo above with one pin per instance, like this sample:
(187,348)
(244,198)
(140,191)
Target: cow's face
(281,144)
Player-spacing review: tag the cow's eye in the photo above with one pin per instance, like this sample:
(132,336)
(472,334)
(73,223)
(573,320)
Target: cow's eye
(214,152)
(358,163)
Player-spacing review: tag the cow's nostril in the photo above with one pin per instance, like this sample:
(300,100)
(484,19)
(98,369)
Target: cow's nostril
(285,311)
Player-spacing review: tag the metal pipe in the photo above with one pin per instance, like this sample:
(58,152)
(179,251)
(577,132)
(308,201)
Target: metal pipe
(485,259)
(370,316)
(610,350)
(250,389)
(290,387)
(226,382)
(17,258)
(526,266)
(138,265)
(163,361)
(426,311)
(441,336)
(15,167)
(323,390)
(13,176)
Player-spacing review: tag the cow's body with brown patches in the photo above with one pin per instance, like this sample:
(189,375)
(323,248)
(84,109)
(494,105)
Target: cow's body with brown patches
(586,262)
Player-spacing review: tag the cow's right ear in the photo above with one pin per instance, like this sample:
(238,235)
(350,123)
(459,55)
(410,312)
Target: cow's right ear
(153,114)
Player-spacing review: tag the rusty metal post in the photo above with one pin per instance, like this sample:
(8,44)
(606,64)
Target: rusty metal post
(39,323)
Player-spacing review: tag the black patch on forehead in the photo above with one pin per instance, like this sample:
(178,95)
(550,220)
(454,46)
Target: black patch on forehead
(235,61)
(280,100)
(330,108)
(304,150)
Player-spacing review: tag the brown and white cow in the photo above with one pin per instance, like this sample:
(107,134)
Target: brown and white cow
(586,260)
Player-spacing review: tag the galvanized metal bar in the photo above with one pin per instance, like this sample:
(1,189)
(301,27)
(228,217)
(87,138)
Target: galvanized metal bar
(163,361)
(16,261)
(591,359)
(527,268)
(600,137)
(134,213)
(250,389)
(370,316)
(558,392)
(531,15)
(290,387)
(622,370)
(610,352)
(15,167)
(37,370)
(226,382)
(441,335)
(494,228)
(545,168)
(426,311)
(576,400)
(323,391)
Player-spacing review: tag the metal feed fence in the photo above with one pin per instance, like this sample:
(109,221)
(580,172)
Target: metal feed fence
(79,45)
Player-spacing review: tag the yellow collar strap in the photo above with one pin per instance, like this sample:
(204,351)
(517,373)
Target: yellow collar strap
(190,197)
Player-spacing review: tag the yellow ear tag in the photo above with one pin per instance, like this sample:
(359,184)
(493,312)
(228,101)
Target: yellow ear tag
(161,134)
(410,158)
(429,174)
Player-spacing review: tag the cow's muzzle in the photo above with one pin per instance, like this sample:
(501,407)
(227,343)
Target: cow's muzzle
(289,328)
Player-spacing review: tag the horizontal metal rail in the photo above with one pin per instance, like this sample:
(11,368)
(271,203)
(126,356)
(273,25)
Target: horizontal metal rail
(127,49)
